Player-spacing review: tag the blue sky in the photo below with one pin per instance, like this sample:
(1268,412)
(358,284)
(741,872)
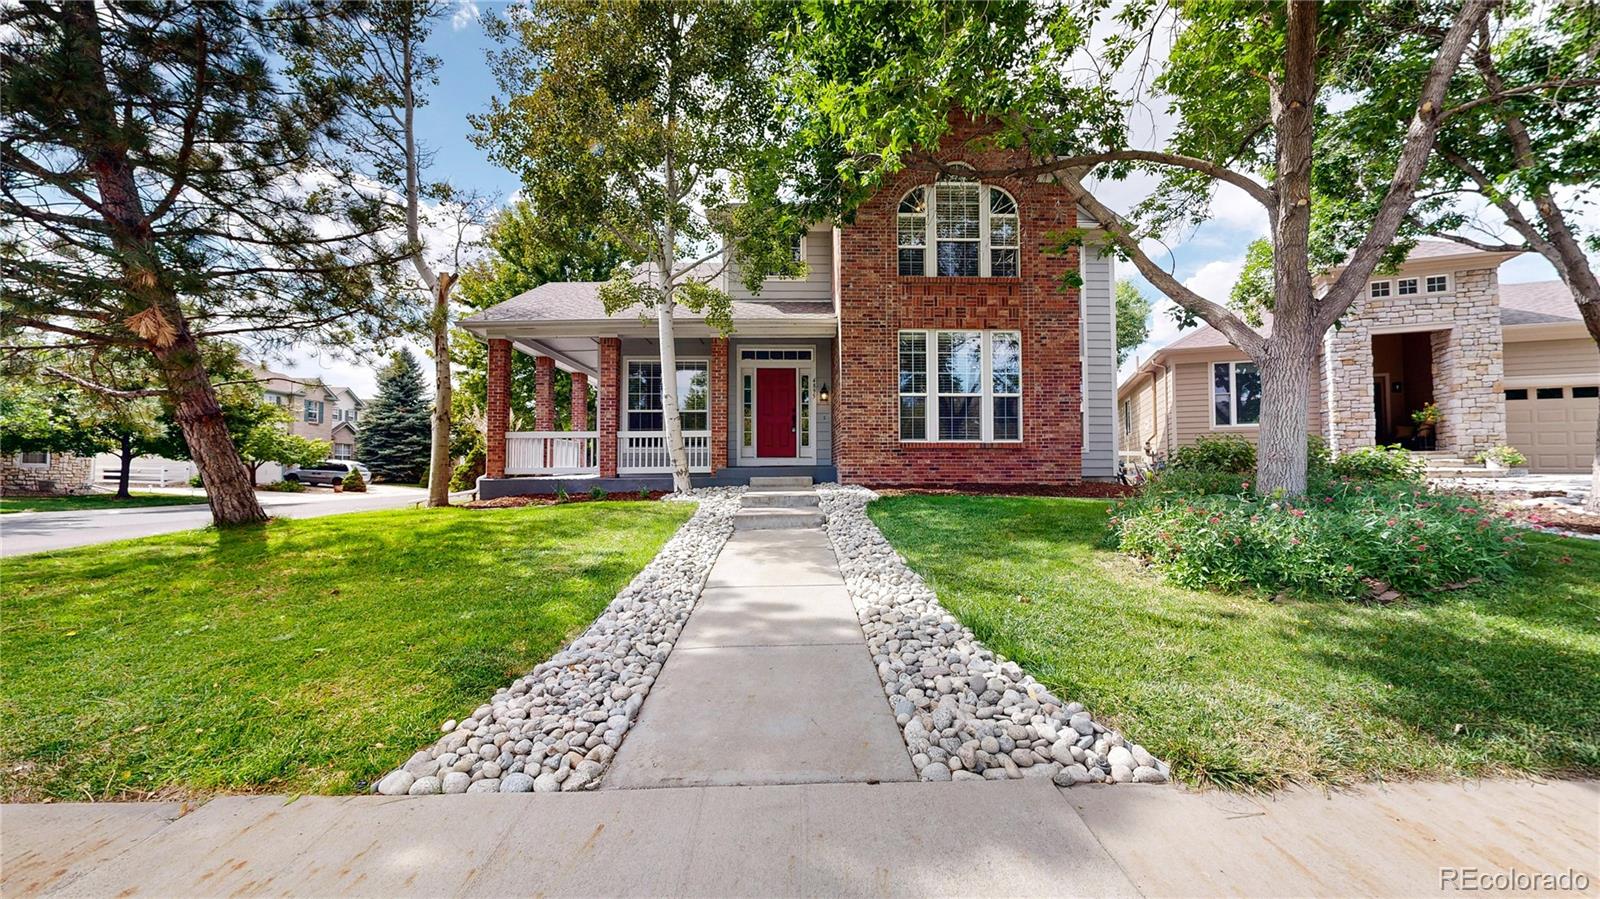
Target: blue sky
(1207,260)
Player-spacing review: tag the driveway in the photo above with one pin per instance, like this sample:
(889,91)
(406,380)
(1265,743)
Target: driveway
(32,532)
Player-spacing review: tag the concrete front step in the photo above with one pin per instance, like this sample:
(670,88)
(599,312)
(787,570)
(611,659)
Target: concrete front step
(783,482)
(748,519)
(1462,471)
(779,499)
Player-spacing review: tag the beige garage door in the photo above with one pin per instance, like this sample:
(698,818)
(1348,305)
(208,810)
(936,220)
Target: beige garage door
(1553,426)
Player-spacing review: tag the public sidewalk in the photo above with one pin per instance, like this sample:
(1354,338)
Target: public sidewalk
(894,839)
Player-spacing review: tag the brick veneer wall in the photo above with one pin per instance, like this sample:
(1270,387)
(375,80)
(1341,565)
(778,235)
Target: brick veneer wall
(499,411)
(876,303)
(544,393)
(579,410)
(719,403)
(607,404)
(1468,363)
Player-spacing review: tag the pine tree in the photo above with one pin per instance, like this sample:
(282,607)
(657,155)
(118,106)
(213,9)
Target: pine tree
(396,429)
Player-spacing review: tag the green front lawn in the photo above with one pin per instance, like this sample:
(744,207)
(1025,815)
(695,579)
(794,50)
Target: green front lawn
(304,654)
(1237,690)
(10,504)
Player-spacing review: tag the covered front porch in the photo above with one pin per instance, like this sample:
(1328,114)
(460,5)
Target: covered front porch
(755,402)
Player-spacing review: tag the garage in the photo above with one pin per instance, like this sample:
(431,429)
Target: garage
(1554,426)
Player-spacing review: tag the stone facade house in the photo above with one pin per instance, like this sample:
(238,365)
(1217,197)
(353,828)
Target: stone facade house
(1506,364)
(45,474)
(931,341)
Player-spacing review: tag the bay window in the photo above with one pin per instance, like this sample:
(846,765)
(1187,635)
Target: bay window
(644,395)
(973,392)
(1236,394)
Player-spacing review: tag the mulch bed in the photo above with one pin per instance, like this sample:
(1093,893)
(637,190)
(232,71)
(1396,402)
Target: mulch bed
(1091,489)
(512,502)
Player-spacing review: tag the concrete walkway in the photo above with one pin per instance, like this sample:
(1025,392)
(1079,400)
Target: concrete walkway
(770,683)
(1024,837)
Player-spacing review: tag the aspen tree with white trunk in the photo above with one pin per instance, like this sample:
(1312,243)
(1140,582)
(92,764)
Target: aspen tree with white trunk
(649,125)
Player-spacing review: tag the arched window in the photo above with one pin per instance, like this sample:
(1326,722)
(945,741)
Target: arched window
(972,228)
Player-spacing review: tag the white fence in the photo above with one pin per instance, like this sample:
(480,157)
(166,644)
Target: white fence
(552,452)
(144,472)
(645,452)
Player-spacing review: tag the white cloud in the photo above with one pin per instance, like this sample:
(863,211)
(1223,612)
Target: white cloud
(465,16)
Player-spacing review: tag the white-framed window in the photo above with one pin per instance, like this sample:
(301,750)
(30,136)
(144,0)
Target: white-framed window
(1438,283)
(973,228)
(1378,289)
(314,411)
(797,248)
(34,460)
(1127,416)
(277,399)
(344,450)
(1405,286)
(1236,394)
(747,427)
(960,386)
(644,395)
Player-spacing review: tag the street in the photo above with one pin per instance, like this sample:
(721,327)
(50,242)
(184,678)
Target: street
(32,532)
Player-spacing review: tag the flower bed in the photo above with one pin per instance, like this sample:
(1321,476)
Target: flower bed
(1346,538)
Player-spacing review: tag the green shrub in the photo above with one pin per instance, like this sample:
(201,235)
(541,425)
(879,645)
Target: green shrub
(284,487)
(1219,452)
(1379,463)
(597,493)
(1321,545)
(196,481)
(1504,456)
(473,465)
(353,482)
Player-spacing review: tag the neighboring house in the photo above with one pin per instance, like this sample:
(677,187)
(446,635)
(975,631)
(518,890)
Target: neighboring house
(931,341)
(346,420)
(316,410)
(1505,364)
(45,474)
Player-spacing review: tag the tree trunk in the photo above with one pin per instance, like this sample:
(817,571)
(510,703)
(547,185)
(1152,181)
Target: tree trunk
(1281,450)
(229,487)
(439,463)
(126,459)
(669,398)
(1590,308)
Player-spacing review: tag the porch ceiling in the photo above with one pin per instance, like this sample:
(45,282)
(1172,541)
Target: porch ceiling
(579,354)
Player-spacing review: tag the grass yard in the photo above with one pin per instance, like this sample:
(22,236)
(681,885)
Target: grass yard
(9,504)
(302,655)
(1243,692)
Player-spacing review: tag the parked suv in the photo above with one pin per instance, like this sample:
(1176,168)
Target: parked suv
(328,472)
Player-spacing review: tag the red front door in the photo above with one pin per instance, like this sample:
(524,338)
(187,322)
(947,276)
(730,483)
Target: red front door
(775,413)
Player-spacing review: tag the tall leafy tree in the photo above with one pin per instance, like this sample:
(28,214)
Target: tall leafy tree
(875,85)
(1133,318)
(374,54)
(649,123)
(162,185)
(1517,165)
(396,428)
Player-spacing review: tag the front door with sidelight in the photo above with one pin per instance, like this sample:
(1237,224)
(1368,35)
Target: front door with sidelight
(776,413)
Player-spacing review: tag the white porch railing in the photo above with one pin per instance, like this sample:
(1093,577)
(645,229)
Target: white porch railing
(552,452)
(645,452)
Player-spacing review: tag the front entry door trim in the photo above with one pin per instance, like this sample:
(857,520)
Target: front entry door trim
(747,371)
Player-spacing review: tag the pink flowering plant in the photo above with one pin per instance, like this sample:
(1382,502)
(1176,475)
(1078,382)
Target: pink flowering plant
(1209,530)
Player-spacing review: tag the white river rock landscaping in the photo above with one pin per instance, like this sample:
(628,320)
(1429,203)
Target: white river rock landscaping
(558,727)
(965,713)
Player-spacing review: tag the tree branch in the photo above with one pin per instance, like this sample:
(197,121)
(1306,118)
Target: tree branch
(1519,91)
(102,389)
(1255,189)
(1217,316)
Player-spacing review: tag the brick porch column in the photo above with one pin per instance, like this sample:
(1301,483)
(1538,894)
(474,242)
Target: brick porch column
(608,403)
(719,403)
(580,401)
(499,408)
(544,395)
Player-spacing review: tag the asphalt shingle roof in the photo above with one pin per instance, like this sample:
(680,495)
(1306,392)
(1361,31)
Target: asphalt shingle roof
(580,301)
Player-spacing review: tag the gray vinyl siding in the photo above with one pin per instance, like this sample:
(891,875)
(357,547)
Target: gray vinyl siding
(817,285)
(1099,368)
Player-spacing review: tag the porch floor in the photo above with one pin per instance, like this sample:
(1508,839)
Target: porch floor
(545,485)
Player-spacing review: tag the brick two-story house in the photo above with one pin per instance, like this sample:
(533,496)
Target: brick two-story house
(932,341)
